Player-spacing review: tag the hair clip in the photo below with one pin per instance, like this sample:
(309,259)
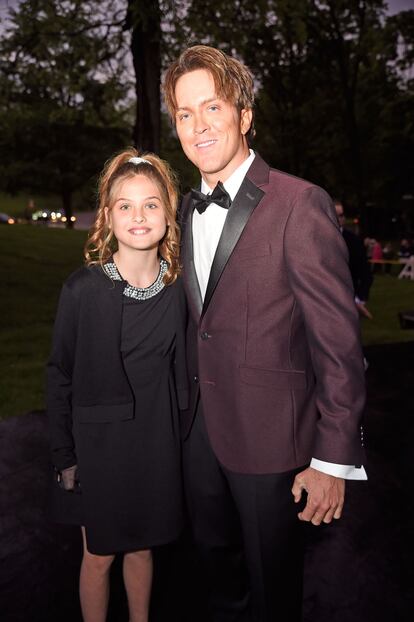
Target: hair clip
(136,160)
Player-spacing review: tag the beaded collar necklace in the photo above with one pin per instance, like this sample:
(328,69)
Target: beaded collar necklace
(139,293)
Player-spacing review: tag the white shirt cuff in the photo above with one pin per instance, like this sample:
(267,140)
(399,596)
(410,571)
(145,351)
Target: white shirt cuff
(339,470)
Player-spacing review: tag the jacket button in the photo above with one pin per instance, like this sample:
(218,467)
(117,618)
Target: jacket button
(204,336)
(195,378)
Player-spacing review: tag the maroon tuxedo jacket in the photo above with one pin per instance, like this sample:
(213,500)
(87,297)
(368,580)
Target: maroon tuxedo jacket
(274,351)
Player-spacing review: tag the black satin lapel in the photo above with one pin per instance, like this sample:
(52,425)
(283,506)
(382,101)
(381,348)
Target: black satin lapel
(189,272)
(242,207)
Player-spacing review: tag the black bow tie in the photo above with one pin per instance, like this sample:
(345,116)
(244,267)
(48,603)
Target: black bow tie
(219,196)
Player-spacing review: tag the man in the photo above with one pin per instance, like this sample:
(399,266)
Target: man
(274,355)
(358,263)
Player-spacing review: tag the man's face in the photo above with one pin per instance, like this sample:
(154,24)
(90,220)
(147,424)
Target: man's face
(211,130)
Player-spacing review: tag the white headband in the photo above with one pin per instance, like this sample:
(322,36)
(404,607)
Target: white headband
(136,160)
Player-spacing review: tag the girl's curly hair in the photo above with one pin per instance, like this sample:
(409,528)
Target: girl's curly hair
(101,243)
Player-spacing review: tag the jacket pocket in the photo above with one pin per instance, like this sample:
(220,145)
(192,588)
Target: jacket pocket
(251,253)
(103,413)
(279,379)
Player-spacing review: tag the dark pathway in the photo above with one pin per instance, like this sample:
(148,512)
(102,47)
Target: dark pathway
(357,570)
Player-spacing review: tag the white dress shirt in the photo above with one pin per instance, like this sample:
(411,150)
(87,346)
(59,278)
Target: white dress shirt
(207,229)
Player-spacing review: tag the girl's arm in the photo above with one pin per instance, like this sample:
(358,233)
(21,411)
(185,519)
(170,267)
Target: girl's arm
(59,373)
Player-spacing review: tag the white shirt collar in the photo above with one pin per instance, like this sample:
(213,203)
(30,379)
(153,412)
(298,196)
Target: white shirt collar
(233,183)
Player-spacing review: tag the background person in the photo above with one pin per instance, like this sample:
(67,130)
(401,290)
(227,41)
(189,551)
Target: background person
(406,249)
(358,263)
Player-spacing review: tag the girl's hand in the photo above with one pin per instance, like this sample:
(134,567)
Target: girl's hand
(68,479)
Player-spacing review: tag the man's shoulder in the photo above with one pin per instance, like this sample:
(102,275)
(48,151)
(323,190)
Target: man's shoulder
(264,173)
(183,209)
(185,199)
(292,194)
(297,191)
(289,177)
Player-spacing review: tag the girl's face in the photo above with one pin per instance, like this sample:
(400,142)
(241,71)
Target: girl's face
(137,216)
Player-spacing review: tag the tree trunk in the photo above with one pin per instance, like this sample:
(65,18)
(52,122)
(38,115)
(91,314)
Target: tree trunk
(144,19)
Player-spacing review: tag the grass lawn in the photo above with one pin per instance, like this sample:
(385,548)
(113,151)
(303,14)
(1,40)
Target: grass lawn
(34,261)
(389,295)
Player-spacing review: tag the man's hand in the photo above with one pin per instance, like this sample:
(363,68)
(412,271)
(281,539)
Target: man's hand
(326,495)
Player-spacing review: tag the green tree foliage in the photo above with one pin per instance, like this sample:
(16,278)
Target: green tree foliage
(333,105)
(64,95)
(334,89)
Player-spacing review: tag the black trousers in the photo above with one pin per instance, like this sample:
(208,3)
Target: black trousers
(249,536)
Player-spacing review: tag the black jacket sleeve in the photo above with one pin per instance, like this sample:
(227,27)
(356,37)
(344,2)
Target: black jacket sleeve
(59,373)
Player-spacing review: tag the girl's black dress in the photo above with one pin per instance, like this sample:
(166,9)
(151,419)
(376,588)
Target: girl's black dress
(131,495)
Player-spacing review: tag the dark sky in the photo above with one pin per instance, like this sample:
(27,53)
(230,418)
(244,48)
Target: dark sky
(395,6)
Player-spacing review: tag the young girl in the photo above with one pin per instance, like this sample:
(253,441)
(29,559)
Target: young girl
(115,377)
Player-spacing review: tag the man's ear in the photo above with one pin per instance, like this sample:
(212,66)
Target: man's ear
(246,117)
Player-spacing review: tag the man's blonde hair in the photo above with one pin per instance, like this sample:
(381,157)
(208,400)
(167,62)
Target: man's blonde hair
(232,79)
